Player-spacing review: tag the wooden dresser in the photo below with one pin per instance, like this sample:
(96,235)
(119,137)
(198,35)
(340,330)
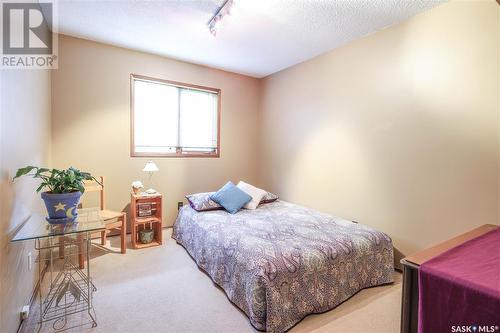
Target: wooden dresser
(409,303)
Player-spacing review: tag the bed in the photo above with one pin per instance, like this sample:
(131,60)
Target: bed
(280,262)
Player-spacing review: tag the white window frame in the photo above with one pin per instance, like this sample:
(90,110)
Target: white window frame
(179,151)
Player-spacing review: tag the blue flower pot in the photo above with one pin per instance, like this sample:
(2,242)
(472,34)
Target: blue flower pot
(61,206)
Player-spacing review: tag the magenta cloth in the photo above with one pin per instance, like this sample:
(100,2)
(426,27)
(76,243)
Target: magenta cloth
(461,287)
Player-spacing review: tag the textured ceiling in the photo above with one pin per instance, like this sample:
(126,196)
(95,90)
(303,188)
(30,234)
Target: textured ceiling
(260,38)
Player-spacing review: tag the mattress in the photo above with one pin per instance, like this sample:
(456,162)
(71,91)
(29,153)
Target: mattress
(281,262)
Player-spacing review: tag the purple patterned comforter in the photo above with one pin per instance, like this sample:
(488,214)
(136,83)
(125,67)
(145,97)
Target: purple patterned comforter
(281,262)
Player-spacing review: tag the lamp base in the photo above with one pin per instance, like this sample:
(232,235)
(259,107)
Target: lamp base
(151,191)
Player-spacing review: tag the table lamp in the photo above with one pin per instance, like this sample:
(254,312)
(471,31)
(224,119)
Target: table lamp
(150,167)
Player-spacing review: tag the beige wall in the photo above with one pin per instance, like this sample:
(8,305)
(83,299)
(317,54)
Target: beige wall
(91,118)
(24,140)
(398,130)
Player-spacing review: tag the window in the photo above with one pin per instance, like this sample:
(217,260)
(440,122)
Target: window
(173,119)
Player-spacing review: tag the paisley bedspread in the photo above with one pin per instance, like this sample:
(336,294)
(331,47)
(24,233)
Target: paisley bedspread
(281,262)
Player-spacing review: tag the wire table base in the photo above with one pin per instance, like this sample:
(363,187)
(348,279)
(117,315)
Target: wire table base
(70,289)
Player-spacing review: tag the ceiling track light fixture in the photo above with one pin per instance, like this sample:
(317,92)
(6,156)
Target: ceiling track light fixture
(215,21)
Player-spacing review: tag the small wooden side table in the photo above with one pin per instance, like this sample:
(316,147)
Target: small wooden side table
(145,212)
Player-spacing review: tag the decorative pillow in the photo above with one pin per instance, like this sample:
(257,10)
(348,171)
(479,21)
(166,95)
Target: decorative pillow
(231,198)
(256,193)
(201,202)
(268,198)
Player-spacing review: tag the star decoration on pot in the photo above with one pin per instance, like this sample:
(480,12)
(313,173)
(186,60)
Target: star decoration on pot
(60,206)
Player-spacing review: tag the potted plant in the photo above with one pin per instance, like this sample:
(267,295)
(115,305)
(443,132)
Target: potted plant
(63,190)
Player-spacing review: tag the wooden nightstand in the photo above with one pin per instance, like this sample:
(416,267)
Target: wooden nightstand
(145,212)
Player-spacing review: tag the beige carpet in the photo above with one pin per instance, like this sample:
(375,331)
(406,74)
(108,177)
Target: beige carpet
(161,289)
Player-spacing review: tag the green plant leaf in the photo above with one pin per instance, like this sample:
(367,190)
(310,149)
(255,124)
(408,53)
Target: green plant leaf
(40,172)
(23,171)
(42,185)
(58,181)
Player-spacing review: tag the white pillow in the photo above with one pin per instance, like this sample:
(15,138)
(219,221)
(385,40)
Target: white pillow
(256,193)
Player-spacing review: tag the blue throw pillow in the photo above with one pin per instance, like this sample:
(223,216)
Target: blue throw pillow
(231,198)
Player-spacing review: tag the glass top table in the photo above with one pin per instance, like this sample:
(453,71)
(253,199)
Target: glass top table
(70,288)
(37,227)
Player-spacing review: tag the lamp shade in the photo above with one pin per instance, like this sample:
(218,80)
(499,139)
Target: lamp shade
(150,167)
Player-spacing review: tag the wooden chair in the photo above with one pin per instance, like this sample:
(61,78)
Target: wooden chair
(112,220)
